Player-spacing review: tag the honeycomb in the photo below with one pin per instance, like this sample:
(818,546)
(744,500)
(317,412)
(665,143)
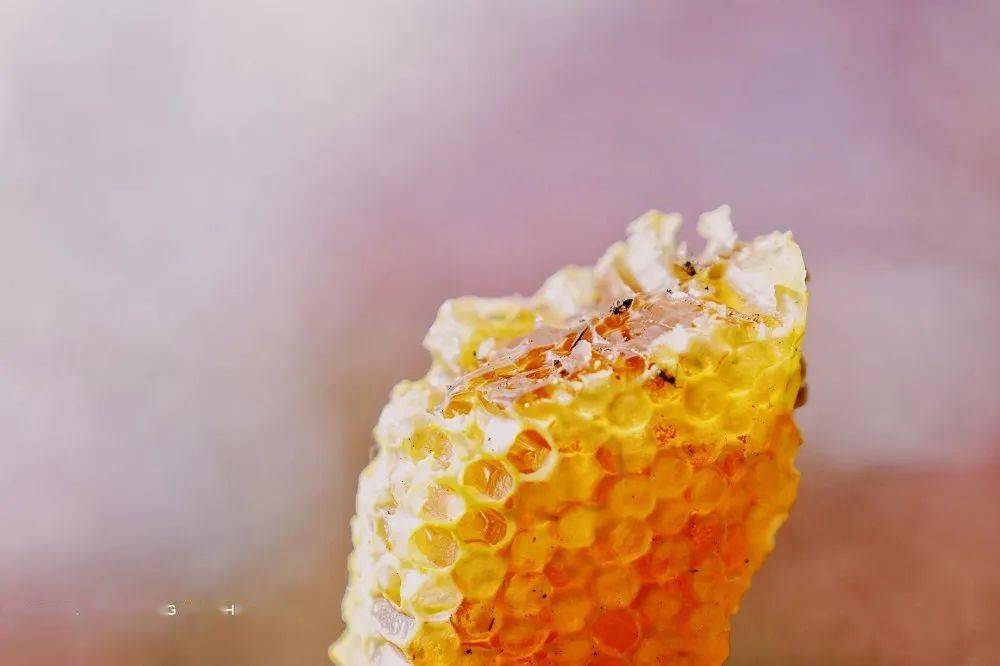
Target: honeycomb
(590,475)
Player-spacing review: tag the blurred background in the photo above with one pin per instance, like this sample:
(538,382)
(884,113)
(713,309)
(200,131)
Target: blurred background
(225,228)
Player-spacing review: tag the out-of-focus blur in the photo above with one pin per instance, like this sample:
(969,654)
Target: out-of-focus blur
(225,227)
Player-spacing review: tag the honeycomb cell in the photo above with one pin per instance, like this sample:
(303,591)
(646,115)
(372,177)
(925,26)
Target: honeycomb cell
(768,386)
(701,358)
(705,398)
(706,617)
(490,478)
(739,370)
(670,475)
(704,534)
(575,478)
(632,496)
(629,539)
(529,452)
(437,594)
(430,442)
(442,504)
(570,650)
(570,433)
(577,527)
(522,637)
(436,644)
(661,604)
(631,409)
(571,568)
(569,611)
(708,487)
(533,501)
(616,631)
(763,473)
(636,453)
(436,545)
(659,651)
(662,429)
(479,574)
(475,621)
(712,583)
(482,525)
(670,516)
(616,587)
(531,549)
(393,624)
(527,593)
(737,419)
(666,559)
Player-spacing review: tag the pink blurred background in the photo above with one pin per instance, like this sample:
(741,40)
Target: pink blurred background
(225,227)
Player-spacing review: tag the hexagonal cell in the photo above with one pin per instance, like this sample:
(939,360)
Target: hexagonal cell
(670,474)
(394,625)
(522,637)
(706,616)
(616,586)
(629,540)
(666,559)
(531,549)
(571,568)
(435,644)
(436,595)
(435,545)
(708,486)
(479,574)
(533,501)
(705,398)
(569,611)
(527,593)
(529,452)
(429,442)
(575,433)
(661,604)
(630,409)
(632,453)
(575,478)
(475,621)
(740,369)
(632,496)
(570,650)
(490,478)
(442,504)
(576,527)
(482,525)
(616,631)
(662,429)
(670,516)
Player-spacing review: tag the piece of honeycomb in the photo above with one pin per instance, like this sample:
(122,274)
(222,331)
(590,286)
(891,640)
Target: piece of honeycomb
(590,475)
